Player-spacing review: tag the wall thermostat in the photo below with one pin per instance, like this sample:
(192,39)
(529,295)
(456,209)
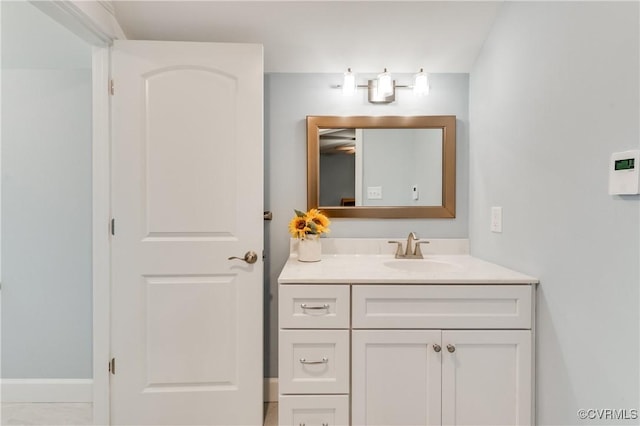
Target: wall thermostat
(624,173)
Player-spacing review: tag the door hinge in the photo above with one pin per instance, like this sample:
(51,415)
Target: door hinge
(113,226)
(111,91)
(112,366)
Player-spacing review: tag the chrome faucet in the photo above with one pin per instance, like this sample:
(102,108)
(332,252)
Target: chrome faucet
(410,240)
(408,254)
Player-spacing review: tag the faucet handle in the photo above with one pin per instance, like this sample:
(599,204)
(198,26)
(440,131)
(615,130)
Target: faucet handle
(418,251)
(399,249)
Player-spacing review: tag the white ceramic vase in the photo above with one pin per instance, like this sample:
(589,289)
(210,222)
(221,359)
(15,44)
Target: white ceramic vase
(309,249)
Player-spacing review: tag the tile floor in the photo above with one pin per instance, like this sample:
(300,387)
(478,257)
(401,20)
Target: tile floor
(78,414)
(271,414)
(46,414)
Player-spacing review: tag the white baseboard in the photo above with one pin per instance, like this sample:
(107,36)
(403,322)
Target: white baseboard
(271,389)
(47,390)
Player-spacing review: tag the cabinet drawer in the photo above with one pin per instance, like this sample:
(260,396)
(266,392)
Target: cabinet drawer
(312,410)
(313,306)
(313,361)
(442,306)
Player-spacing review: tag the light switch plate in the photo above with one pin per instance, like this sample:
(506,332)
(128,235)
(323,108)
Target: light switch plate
(414,192)
(496,219)
(374,193)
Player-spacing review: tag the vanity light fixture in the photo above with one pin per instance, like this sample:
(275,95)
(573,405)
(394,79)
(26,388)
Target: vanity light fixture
(382,89)
(421,83)
(349,83)
(385,88)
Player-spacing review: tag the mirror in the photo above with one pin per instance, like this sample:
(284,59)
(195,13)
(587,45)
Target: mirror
(381,167)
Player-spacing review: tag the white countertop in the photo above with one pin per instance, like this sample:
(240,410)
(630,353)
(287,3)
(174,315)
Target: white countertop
(371,269)
(337,267)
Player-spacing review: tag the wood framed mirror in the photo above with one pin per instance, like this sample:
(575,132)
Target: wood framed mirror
(382,167)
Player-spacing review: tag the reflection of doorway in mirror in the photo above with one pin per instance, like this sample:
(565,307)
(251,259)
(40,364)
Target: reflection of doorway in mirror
(337,167)
(359,168)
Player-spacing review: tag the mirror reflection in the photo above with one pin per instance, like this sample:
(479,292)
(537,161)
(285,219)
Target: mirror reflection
(380,167)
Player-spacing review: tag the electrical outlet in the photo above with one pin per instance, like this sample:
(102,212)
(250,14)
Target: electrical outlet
(496,219)
(374,193)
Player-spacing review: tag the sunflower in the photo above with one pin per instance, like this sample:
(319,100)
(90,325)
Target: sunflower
(313,222)
(321,221)
(298,227)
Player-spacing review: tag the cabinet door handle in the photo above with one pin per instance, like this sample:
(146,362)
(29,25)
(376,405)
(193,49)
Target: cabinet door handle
(305,306)
(451,348)
(323,361)
(436,347)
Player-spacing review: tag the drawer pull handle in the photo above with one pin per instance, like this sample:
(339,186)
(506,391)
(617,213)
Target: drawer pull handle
(436,347)
(324,361)
(451,348)
(304,306)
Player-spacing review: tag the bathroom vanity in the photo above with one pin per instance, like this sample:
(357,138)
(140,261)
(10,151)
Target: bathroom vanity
(367,339)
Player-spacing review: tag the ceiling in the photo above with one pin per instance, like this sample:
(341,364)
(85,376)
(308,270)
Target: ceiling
(326,36)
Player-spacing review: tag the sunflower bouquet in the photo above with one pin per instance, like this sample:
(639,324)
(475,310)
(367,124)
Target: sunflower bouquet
(313,222)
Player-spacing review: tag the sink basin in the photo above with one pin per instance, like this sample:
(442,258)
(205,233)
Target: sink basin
(421,265)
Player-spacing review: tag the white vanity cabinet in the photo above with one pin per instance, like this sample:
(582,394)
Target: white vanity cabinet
(409,377)
(442,354)
(362,344)
(420,354)
(314,355)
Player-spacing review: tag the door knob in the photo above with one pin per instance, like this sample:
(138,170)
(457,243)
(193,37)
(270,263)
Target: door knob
(436,347)
(250,257)
(451,348)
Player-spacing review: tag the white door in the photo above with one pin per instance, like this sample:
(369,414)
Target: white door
(396,377)
(187,193)
(486,377)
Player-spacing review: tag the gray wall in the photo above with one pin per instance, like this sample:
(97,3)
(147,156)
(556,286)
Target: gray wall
(553,93)
(46,198)
(289,98)
(337,178)
(397,159)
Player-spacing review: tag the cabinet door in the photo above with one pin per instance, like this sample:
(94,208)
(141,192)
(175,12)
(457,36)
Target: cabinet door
(486,377)
(396,377)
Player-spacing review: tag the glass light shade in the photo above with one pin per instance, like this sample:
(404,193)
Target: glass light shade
(421,84)
(385,86)
(349,83)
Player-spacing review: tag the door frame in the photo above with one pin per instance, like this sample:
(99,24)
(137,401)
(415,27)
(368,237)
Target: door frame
(101,241)
(95,23)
